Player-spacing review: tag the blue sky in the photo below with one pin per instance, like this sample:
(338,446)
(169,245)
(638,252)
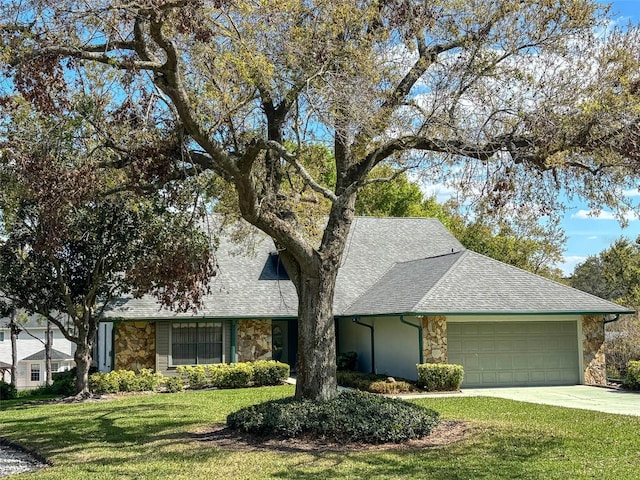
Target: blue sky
(590,235)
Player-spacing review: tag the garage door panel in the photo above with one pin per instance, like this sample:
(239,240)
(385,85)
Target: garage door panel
(515,353)
(506,377)
(489,377)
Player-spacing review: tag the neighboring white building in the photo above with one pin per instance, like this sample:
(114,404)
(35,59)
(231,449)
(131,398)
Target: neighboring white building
(31,370)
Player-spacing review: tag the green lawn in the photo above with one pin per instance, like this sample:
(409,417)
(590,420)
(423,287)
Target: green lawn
(150,436)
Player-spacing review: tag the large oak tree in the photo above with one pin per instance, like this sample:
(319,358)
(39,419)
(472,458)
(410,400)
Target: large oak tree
(514,100)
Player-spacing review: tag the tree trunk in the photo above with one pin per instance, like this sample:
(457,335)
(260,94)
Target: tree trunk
(316,363)
(47,353)
(83,363)
(13,327)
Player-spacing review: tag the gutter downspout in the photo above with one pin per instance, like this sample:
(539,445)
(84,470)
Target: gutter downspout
(112,353)
(615,319)
(233,340)
(373,352)
(420,345)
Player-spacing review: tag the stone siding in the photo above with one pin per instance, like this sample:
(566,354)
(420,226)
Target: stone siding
(253,340)
(135,346)
(434,339)
(595,371)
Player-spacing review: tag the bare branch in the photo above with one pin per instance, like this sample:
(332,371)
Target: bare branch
(306,176)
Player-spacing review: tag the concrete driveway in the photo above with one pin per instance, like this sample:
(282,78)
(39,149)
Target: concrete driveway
(576,396)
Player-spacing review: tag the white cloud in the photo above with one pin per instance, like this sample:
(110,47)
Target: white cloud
(602,215)
(569,263)
(593,237)
(441,191)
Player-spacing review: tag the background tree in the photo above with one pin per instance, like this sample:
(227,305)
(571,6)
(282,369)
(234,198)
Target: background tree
(522,242)
(76,234)
(510,101)
(614,274)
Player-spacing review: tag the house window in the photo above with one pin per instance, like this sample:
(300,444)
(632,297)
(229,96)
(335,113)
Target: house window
(35,372)
(55,366)
(196,343)
(1,336)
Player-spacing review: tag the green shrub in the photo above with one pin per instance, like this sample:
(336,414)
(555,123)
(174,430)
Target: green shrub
(128,381)
(7,391)
(124,381)
(269,372)
(64,383)
(632,379)
(149,381)
(440,376)
(350,417)
(102,382)
(370,382)
(347,361)
(234,375)
(173,384)
(193,376)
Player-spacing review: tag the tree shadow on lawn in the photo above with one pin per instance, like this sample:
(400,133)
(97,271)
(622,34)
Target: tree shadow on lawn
(495,455)
(96,428)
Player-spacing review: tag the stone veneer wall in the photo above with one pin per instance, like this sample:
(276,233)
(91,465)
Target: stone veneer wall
(253,340)
(135,346)
(434,339)
(595,370)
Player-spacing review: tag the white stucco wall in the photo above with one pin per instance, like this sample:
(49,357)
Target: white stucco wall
(396,345)
(355,338)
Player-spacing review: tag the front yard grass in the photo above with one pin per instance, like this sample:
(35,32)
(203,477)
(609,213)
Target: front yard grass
(154,436)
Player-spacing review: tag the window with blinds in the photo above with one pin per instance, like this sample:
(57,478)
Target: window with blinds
(196,343)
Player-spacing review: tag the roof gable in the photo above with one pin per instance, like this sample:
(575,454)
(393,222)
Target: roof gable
(55,355)
(479,284)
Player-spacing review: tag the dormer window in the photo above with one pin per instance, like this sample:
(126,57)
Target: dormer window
(273,268)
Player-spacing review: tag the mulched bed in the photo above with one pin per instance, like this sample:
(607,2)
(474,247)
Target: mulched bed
(446,433)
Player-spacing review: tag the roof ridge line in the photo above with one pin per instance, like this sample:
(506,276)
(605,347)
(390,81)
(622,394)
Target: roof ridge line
(346,308)
(433,256)
(464,253)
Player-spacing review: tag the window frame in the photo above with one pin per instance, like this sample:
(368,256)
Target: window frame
(172,364)
(37,371)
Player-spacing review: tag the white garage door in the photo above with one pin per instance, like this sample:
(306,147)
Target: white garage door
(515,353)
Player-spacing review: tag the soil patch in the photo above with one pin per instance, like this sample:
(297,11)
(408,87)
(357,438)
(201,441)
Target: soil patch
(446,433)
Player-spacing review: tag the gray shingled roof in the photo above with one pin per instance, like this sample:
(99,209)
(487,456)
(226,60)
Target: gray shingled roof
(55,355)
(467,282)
(374,246)
(390,266)
(34,321)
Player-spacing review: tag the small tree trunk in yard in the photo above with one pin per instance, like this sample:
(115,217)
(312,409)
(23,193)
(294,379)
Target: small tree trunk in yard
(47,353)
(83,363)
(15,330)
(316,365)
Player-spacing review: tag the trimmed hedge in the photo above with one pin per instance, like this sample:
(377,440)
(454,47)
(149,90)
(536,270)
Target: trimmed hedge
(370,382)
(124,381)
(350,417)
(632,379)
(234,375)
(440,376)
(173,384)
